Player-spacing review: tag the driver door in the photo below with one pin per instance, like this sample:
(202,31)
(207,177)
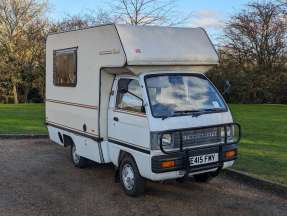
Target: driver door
(128,123)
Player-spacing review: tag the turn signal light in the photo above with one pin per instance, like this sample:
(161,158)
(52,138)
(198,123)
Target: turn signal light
(230,154)
(167,164)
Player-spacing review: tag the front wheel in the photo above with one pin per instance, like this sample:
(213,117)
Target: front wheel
(77,160)
(130,178)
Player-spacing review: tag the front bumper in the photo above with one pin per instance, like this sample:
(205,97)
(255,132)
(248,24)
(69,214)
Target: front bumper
(181,160)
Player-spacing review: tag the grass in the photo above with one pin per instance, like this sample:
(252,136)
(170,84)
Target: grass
(22,119)
(262,151)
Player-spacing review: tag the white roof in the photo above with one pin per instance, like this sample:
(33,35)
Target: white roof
(153,45)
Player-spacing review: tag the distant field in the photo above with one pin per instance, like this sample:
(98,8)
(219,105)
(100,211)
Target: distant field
(263,149)
(22,119)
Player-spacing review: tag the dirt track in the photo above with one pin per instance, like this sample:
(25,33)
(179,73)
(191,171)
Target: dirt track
(37,178)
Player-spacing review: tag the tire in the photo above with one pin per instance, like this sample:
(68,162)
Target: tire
(205,177)
(77,160)
(130,179)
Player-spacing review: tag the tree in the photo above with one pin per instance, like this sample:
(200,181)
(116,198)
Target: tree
(80,21)
(33,61)
(134,12)
(147,12)
(253,55)
(257,36)
(18,19)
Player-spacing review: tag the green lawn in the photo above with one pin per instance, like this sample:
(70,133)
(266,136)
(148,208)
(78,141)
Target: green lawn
(22,119)
(262,151)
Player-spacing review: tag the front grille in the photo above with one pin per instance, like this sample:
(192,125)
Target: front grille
(198,137)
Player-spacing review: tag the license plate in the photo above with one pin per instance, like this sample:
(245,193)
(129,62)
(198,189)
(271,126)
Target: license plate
(203,159)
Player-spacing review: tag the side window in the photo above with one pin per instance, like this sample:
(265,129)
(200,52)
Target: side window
(65,67)
(129,96)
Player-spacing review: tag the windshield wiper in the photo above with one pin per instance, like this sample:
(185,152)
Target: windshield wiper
(213,110)
(194,113)
(164,117)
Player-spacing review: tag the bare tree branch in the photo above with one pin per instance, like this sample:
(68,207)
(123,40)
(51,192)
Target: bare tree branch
(147,12)
(257,36)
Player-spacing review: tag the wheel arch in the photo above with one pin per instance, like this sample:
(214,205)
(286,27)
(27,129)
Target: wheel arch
(68,141)
(124,154)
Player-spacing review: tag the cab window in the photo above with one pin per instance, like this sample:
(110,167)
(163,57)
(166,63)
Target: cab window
(129,96)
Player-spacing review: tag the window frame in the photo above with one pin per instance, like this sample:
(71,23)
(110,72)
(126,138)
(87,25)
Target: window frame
(117,91)
(73,50)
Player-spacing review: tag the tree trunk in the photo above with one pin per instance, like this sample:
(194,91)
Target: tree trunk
(26,92)
(15,94)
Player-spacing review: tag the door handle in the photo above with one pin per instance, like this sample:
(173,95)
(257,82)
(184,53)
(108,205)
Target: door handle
(116,119)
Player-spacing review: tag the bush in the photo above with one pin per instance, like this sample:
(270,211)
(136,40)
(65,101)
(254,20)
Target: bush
(251,85)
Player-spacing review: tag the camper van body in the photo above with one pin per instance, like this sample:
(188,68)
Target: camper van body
(101,84)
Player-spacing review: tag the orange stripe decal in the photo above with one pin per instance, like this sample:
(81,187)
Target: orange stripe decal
(72,104)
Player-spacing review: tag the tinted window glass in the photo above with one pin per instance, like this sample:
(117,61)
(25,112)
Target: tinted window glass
(129,96)
(65,67)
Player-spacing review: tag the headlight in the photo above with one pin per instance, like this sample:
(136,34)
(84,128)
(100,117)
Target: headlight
(229,133)
(166,140)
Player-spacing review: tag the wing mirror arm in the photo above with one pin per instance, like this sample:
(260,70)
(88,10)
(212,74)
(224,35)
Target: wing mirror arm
(124,91)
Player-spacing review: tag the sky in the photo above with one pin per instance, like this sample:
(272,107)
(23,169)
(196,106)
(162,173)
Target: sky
(209,14)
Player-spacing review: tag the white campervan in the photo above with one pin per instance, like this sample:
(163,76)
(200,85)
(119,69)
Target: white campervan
(137,97)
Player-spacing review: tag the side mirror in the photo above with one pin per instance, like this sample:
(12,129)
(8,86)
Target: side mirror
(227,87)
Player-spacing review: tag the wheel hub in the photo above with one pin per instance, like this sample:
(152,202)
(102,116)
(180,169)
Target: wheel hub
(128,177)
(76,158)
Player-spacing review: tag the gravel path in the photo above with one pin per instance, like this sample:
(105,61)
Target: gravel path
(37,178)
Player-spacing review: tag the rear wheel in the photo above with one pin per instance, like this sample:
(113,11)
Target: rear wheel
(77,160)
(130,178)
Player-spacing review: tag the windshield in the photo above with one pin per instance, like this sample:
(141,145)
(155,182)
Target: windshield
(182,94)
